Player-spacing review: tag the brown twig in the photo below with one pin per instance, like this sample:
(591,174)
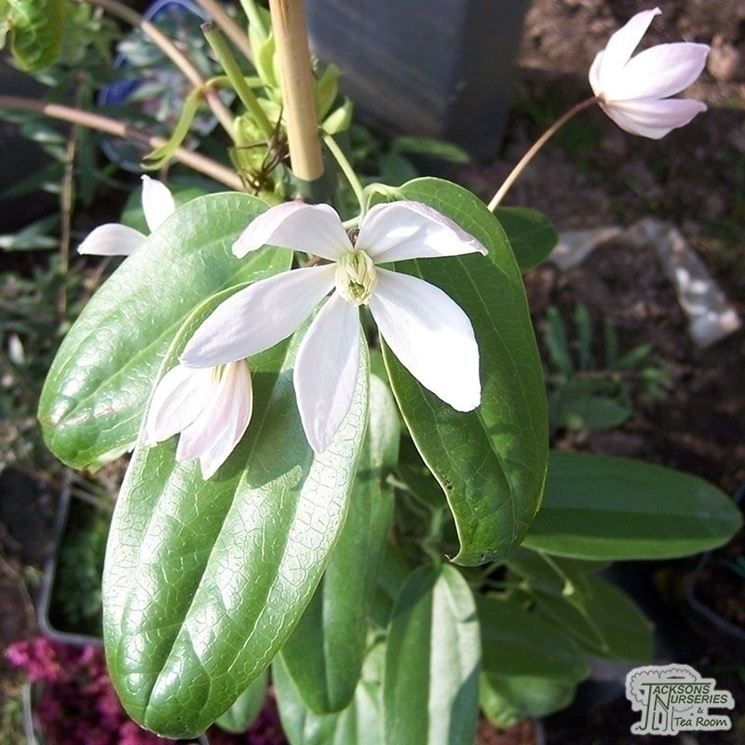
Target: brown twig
(197,162)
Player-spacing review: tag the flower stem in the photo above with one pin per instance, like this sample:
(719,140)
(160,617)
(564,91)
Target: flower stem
(229,27)
(182,62)
(235,75)
(298,88)
(539,143)
(197,162)
(346,168)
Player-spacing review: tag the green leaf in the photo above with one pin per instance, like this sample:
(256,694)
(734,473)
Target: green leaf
(584,335)
(325,653)
(531,234)
(430,684)
(430,148)
(557,342)
(37,28)
(394,571)
(598,507)
(490,462)
(584,403)
(506,701)
(359,724)
(239,717)
(205,580)
(518,642)
(602,619)
(95,393)
(530,668)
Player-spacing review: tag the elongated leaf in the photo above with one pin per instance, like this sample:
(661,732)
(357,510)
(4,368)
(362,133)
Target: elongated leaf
(518,642)
(394,571)
(602,619)
(325,653)
(99,383)
(529,668)
(531,234)
(430,684)
(204,580)
(361,723)
(598,507)
(246,707)
(490,462)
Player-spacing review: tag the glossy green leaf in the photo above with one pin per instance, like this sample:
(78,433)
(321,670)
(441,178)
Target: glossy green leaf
(95,393)
(430,148)
(602,619)
(433,656)
(37,31)
(239,717)
(325,653)
(490,462)
(506,701)
(518,642)
(529,668)
(359,724)
(599,507)
(531,234)
(394,571)
(205,580)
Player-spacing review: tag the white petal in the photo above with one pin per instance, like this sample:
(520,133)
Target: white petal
(659,72)
(219,428)
(621,46)
(313,228)
(258,317)
(431,336)
(157,202)
(112,239)
(654,119)
(326,370)
(411,230)
(179,398)
(594,75)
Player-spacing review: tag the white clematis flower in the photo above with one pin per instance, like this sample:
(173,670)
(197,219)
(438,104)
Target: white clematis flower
(425,329)
(211,408)
(634,91)
(114,239)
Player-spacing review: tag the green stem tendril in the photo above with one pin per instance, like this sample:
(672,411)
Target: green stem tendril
(347,170)
(235,75)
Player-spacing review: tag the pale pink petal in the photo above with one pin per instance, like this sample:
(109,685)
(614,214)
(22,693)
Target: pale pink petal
(621,46)
(659,72)
(326,370)
(157,202)
(654,119)
(411,230)
(112,239)
(430,335)
(220,427)
(178,399)
(313,228)
(258,317)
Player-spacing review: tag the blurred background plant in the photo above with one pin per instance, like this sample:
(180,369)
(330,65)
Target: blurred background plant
(592,383)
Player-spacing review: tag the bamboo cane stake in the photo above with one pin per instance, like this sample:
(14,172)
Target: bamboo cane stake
(298,94)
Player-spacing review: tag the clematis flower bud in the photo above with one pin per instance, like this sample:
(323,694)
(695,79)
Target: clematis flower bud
(634,91)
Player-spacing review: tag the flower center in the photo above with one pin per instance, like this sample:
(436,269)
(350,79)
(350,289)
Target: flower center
(356,277)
